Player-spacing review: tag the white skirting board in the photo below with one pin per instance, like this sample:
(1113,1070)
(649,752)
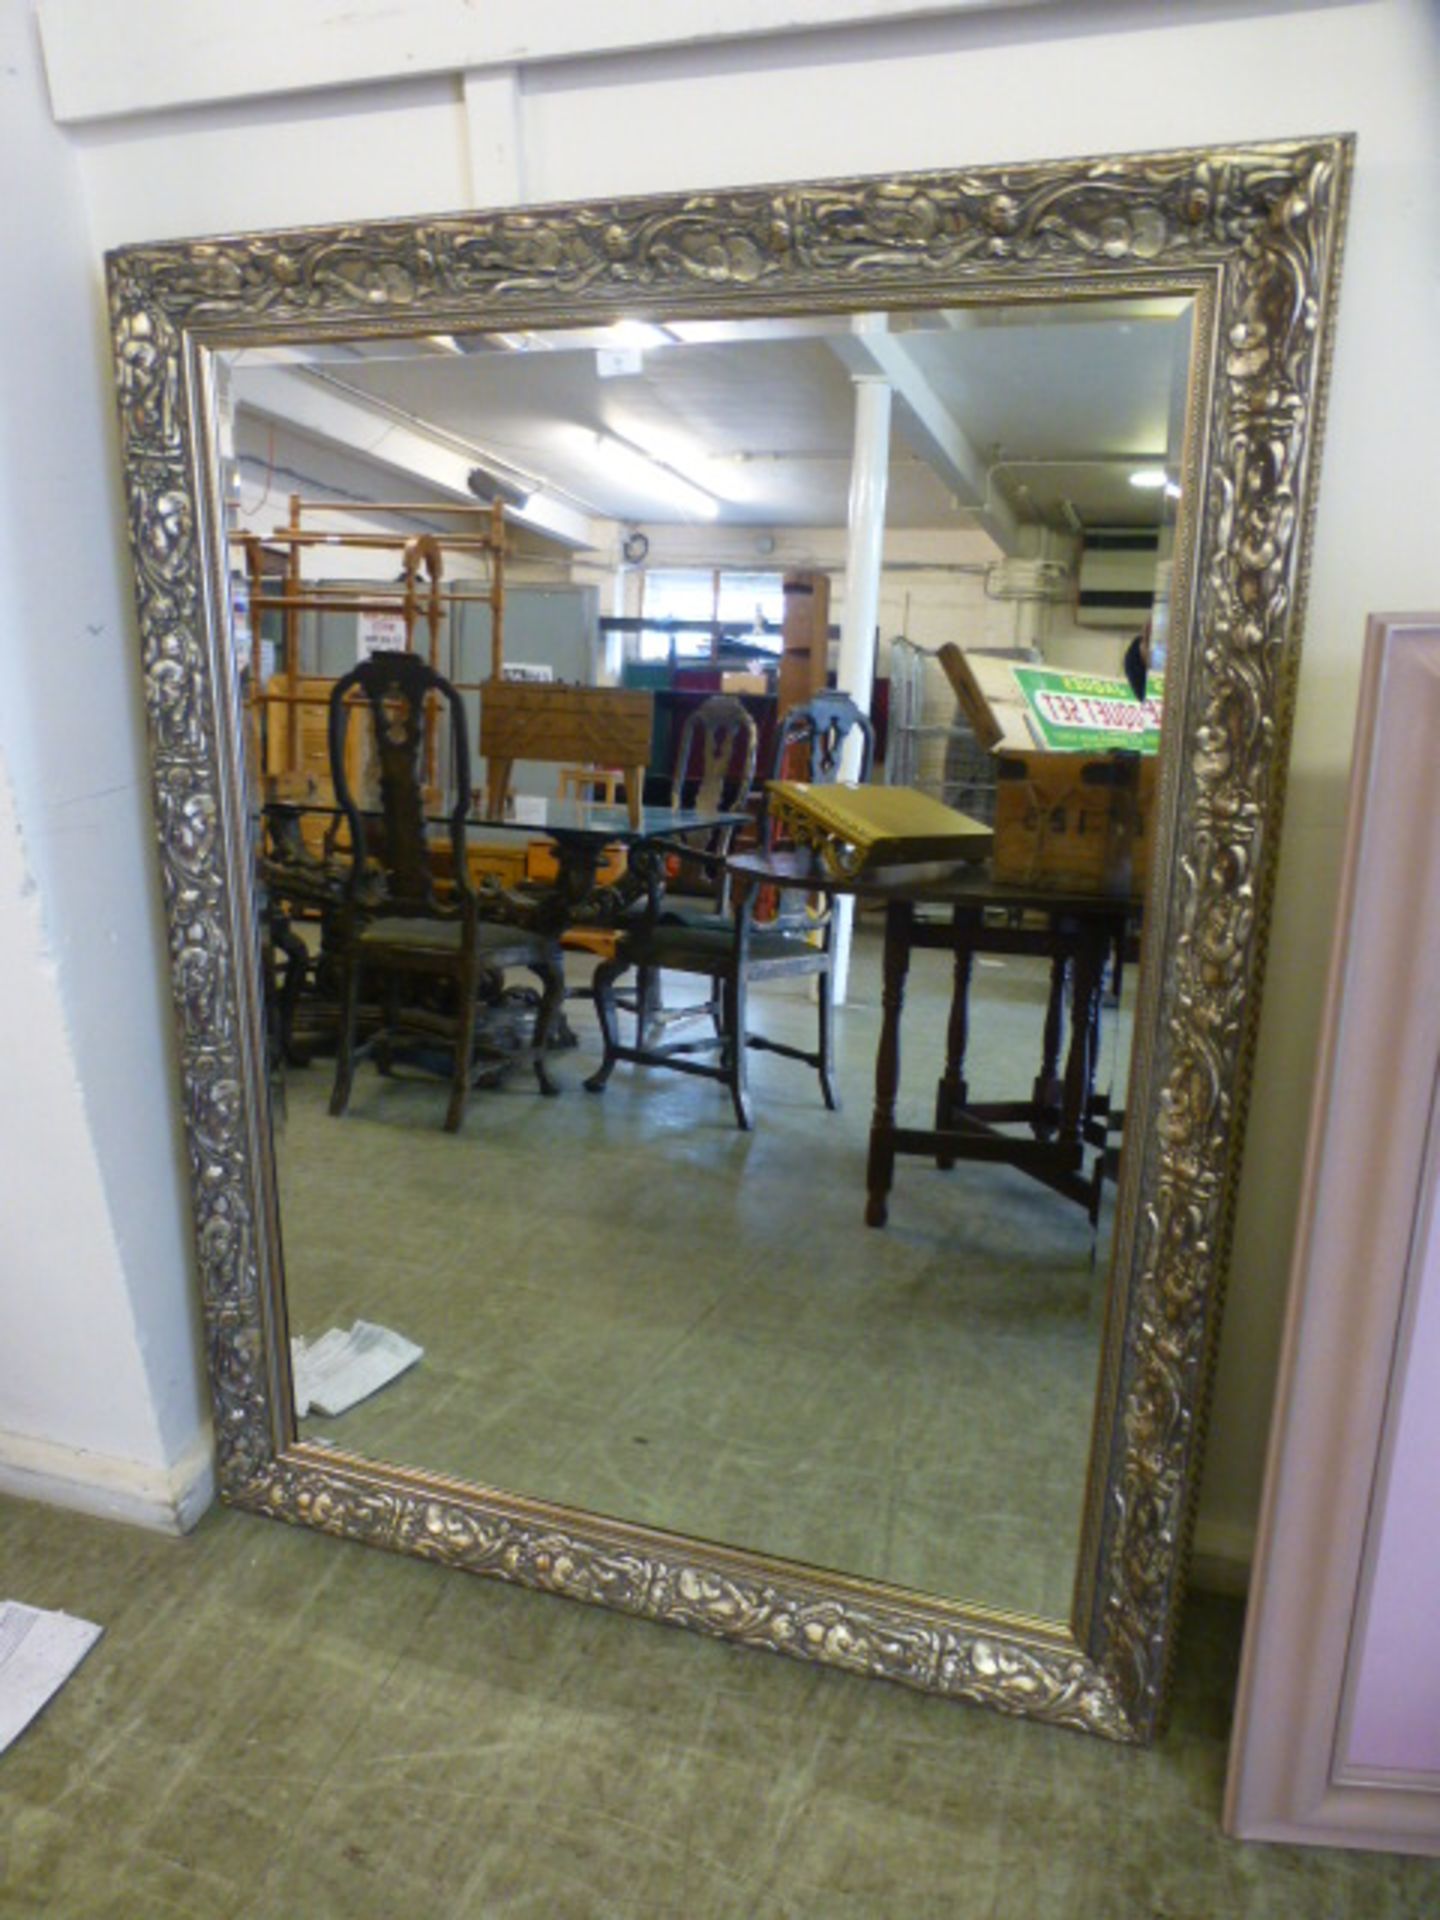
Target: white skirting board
(167,1500)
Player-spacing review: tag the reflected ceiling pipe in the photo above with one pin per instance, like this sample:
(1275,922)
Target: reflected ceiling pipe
(864,548)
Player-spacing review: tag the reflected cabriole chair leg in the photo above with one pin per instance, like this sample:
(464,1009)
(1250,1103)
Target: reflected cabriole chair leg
(647,1000)
(717,1004)
(464,1048)
(603,987)
(826,994)
(737,1054)
(345,1043)
(552,979)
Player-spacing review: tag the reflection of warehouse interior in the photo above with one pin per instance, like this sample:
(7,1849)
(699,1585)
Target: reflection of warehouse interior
(660,486)
(610,545)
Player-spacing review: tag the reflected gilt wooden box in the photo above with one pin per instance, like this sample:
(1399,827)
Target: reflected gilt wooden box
(854,829)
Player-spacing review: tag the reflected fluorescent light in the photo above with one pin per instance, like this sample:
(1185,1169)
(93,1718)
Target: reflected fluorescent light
(637,333)
(725,477)
(631,468)
(446,342)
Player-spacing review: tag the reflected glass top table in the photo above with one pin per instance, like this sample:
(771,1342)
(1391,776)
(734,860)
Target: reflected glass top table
(294,878)
(582,832)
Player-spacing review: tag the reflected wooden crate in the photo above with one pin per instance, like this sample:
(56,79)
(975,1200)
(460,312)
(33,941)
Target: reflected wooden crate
(1079,819)
(589,726)
(1083,821)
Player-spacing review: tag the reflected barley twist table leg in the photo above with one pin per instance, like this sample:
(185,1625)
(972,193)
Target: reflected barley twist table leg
(1049,1093)
(1088,982)
(880,1171)
(952,1093)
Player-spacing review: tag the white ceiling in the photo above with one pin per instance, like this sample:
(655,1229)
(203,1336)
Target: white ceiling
(1040,410)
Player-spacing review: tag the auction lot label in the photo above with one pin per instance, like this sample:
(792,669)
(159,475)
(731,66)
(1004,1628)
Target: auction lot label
(1091,712)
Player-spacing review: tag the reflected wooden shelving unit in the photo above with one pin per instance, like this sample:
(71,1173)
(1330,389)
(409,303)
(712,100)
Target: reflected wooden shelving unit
(289,712)
(805,639)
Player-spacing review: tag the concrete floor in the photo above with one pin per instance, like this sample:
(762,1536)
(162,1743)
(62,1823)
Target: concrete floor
(279,1726)
(630,1307)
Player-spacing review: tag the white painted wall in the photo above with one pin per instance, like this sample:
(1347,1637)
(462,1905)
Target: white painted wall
(932,583)
(99,65)
(1073,78)
(67,1331)
(99,1400)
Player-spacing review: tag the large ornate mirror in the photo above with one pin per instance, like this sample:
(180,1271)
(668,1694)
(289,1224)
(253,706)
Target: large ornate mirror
(821,1381)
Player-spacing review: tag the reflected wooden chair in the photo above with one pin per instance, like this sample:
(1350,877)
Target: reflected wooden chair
(721,736)
(431,958)
(738,949)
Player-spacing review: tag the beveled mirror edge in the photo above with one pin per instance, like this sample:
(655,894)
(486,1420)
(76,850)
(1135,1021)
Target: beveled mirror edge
(1262,223)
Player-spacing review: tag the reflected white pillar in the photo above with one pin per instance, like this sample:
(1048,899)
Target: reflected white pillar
(865,542)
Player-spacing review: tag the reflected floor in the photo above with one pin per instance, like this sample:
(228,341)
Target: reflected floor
(630,1307)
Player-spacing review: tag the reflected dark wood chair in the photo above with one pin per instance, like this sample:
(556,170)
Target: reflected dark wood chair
(297,883)
(431,958)
(721,735)
(737,949)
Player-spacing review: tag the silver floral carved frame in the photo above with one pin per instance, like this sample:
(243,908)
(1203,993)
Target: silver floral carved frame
(1253,234)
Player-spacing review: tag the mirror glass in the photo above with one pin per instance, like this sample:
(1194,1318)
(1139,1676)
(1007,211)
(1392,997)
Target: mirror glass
(623,1302)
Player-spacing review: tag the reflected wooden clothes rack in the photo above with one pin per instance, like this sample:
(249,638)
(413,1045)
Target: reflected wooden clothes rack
(289,713)
(594,726)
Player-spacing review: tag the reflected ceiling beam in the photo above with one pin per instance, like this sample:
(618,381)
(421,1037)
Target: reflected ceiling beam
(378,434)
(929,426)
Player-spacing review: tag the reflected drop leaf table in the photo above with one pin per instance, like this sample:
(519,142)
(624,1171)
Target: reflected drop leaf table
(965,911)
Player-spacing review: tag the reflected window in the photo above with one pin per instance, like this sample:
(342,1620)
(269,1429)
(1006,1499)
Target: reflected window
(731,598)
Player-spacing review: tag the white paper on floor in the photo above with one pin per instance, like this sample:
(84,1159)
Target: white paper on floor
(38,1653)
(337,1371)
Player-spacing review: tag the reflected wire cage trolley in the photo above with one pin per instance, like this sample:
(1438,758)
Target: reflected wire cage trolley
(942,756)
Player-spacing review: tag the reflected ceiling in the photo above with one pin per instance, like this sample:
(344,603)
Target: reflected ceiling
(1043,411)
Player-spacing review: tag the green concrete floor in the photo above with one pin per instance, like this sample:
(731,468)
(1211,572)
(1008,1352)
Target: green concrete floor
(279,1726)
(630,1307)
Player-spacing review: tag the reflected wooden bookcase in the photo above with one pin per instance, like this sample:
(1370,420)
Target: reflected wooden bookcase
(805,639)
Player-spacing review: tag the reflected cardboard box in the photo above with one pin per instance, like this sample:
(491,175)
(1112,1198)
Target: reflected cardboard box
(1075,767)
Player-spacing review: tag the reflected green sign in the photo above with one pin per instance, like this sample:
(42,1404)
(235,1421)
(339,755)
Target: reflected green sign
(1091,712)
